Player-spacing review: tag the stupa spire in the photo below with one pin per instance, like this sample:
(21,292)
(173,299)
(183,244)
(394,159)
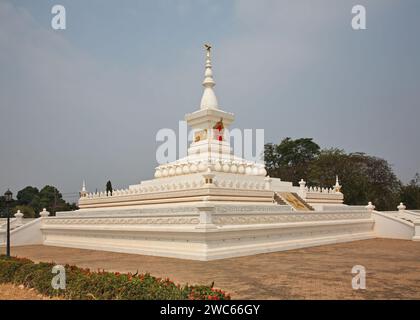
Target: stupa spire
(337,186)
(83,192)
(209,100)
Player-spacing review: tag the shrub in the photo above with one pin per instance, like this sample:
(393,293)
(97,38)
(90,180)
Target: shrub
(28,212)
(101,285)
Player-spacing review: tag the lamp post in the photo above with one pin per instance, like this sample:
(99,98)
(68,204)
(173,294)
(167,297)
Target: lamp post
(8,197)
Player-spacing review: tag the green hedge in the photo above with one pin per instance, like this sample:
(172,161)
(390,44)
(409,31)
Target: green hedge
(100,285)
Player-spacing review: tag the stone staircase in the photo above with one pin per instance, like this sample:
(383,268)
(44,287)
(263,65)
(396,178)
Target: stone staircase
(14,223)
(293,200)
(278,199)
(405,215)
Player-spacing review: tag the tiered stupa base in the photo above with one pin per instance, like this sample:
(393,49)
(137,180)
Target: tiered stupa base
(208,205)
(205,230)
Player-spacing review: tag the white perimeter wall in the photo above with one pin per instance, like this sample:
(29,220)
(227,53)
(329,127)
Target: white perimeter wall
(387,226)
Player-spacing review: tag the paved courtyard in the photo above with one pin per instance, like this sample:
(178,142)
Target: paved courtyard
(393,269)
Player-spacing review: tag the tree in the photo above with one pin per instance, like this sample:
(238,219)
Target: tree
(289,160)
(30,201)
(52,200)
(109,187)
(2,205)
(330,163)
(384,187)
(28,211)
(364,178)
(26,195)
(410,193)
(29,196)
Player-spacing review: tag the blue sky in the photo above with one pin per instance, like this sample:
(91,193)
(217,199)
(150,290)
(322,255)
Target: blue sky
(86,102)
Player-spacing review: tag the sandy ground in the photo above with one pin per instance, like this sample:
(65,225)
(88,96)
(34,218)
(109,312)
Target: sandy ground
(392,266)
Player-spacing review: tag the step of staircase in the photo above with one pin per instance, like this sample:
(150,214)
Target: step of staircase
(294,200)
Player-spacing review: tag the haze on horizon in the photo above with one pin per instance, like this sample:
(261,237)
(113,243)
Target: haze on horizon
(86,102)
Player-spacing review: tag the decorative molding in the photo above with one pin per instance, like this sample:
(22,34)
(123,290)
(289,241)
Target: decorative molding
(284,218)
(122,221)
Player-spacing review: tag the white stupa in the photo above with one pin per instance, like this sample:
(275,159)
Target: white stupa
(209,204)
(213,205)
(210,171)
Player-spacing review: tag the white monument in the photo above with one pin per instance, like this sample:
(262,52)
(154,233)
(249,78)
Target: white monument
(211,172)
(212,205)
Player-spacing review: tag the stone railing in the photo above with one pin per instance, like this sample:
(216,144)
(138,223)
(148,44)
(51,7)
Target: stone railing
(402,213)
(3,223)
(192,181)
(16,222)
(149,188)
(320,190)
(319,194)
